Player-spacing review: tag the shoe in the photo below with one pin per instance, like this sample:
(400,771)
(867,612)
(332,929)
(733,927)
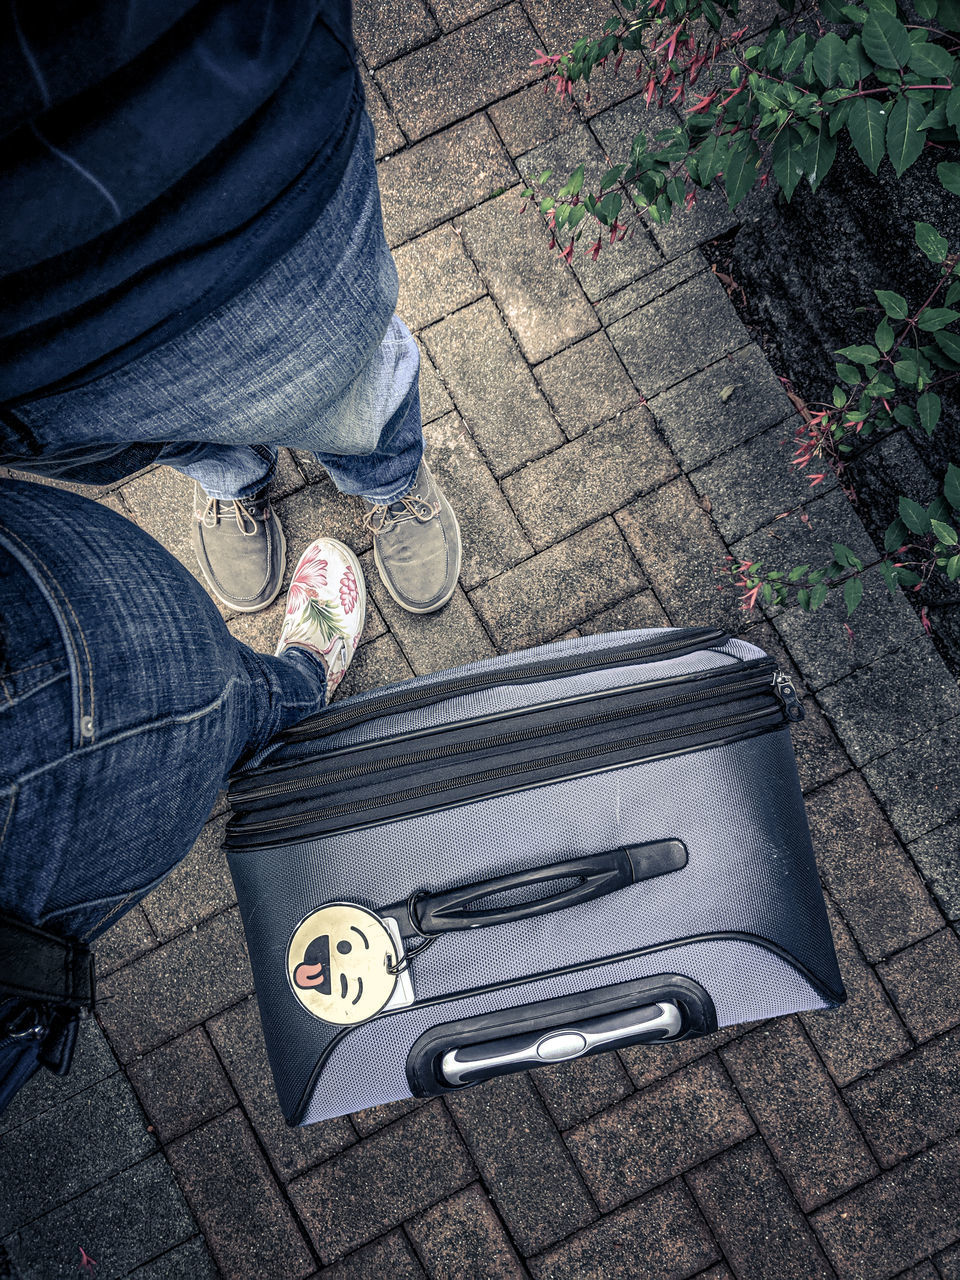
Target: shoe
(326,606)
(416,545)
(240,547)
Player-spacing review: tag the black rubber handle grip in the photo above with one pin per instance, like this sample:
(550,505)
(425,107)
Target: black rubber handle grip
(596,874)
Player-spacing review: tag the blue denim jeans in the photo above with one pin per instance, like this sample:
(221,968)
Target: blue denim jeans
(124,704)
(310,355)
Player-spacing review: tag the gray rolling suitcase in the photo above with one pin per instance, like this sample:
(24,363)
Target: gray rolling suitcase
(594,843)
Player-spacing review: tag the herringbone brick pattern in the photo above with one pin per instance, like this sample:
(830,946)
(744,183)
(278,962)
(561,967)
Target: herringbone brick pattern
(574,417)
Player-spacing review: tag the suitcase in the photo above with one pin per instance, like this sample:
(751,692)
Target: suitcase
(590,844)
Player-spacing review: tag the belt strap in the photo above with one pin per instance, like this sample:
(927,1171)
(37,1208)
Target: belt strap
(42,968)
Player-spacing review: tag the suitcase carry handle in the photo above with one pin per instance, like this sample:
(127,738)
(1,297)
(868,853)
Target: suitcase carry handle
(596,874)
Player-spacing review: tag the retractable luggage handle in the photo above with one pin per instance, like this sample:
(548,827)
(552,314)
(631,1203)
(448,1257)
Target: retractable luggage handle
(597,874)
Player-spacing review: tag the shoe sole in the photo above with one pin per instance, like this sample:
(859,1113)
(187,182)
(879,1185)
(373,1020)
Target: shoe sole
(264,604)
(431,608)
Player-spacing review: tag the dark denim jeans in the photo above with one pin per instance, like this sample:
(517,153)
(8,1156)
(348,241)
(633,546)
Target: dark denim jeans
(310,355)
(124,703)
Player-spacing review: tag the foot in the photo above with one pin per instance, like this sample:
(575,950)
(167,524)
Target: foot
(240,547)
(416,545)
(326,605)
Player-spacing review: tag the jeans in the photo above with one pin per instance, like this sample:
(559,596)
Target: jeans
(310,355)
(124,704)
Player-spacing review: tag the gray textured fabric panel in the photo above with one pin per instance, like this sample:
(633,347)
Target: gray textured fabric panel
(368,1066)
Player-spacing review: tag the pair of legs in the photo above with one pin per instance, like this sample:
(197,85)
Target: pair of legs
(311,355)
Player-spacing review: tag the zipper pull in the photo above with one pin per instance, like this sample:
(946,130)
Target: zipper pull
(783,688)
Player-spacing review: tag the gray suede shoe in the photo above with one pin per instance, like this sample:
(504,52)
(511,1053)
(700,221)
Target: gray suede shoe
(240,548)
(416,545)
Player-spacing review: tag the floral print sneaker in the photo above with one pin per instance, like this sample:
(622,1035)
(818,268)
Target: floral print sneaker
(326,605)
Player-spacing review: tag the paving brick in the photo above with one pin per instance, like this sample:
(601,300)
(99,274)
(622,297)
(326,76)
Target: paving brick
(682,555)
(434,641)
(669,1127)
(938,857)
(387,134)
(917,786)
(384,31)
(540,299)
(533,116)
(63,1152)
(924,983)
(250,1230)
(925,1271)
(863,1033)
(161,502)
(654,284)
(574,1091)
(867,873)
(173,988)
(948,1264)
(910,1104)
(523,1161)
(639,613)
(92,1061)
(896,1220)
(436,277)
(604,469)
(545,596)
(649,1062)
(897,698)
(199,887)
(188,1261)
(586,384)
(823,648)
(485,54)
(434,397)
(492,387)
(373,1118)
(422,186)
(125,1221)
(454,13)
(814,1141)
(678,334)
(391,1256)
(699,422)
(181,1085)
(129,937)
(463,1236)
(752,485)
(491,535)
(616,265)
(754,1217)
(661,1237)
(398,1172)
(562,22)
(317,511)
(238,1039)
(375,664)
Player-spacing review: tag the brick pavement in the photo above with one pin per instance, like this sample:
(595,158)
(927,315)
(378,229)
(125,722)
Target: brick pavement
(575,419)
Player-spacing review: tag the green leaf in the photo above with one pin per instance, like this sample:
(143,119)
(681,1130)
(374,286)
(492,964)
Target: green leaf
(827,57)
(740,168)
(852,594)
(818,595)
(846,558)
(885,39)
(949,175)
(797,572)
(803,598)
(925,8)
(883,336)
(928,407)
(932,318)
(951,486)
(867,125)
(889,571)
(894,304)
(905,139)
(953,106)
(895,536)
(903,413)
(948,14)
(937,118)
(839,397)
(794,55)
(612,176)
(863,354)
(929,59)
(849,373)
(546,204)
(953,568)
(945,533)
(573,184)
(914,516)
(948,342)
(547,173)
(818,156)
(786,155)
(930,241)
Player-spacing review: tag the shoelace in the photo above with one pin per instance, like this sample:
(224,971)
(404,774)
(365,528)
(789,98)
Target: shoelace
(244,517)
(386,515)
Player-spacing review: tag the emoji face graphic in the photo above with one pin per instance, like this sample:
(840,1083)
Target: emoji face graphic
(337,963)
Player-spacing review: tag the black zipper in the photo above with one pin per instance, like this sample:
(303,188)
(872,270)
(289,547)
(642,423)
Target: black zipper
(399,698)
(249,833)
(242,798)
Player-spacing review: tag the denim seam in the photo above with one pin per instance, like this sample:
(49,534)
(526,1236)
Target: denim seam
(117,906)
(32,556)
(36,688)
(14,791)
